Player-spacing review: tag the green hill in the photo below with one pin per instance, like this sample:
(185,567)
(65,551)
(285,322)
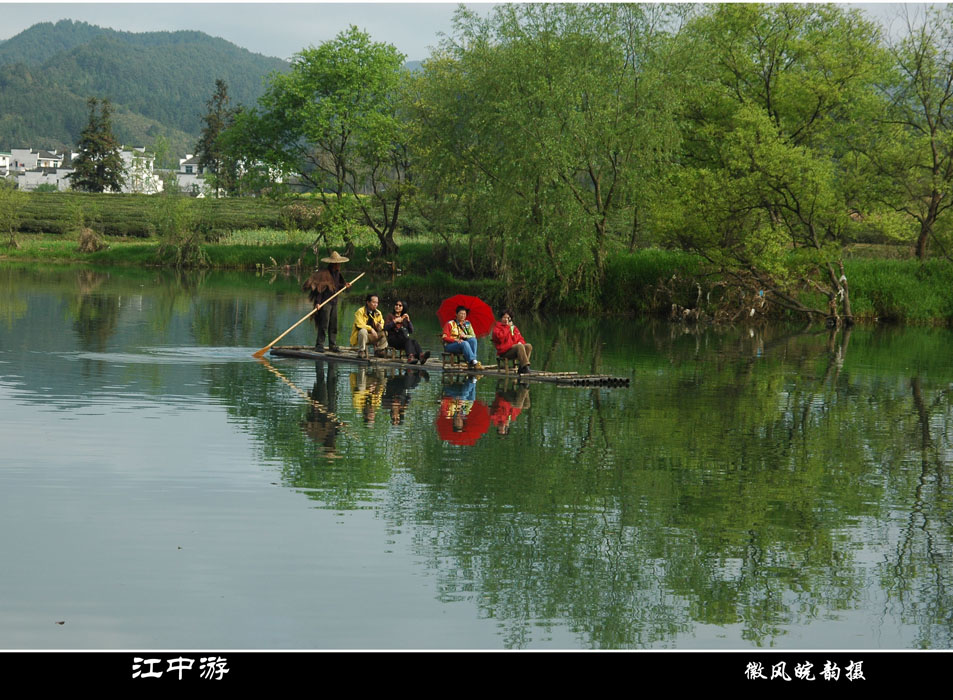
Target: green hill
(158,82)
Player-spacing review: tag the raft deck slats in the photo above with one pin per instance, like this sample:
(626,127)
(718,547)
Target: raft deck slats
(350,355)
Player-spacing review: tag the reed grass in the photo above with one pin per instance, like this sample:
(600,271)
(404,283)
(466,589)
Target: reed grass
(901,290)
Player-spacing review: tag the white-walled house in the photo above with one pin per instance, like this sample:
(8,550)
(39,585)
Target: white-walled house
(191,175)
(31,179)
(139,175)
(29,159)
(34,168)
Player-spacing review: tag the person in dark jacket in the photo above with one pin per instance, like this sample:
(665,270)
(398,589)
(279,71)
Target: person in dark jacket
(321,286)
(398,327)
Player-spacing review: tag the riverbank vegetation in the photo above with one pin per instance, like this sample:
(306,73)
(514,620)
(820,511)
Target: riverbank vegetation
(721,162)
(888,283)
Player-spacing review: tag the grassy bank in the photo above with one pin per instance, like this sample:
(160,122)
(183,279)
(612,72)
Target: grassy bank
(643,283)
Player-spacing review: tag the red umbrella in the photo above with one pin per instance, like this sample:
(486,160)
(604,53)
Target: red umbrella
(475,424)
(480,315)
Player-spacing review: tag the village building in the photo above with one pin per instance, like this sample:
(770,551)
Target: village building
(30,180)
(36,167)
(22,159)
(139,174)
(191,176)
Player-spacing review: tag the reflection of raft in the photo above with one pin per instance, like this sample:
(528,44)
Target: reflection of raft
(306,352)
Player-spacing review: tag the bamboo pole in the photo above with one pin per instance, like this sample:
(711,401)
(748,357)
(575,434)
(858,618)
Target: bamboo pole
(261,353)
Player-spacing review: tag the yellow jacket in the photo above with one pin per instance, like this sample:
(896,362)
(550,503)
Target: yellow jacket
(361,320)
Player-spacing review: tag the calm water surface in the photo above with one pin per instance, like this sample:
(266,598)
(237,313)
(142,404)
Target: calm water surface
(160,488)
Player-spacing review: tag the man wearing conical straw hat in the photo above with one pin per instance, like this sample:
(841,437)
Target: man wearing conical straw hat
(321,286)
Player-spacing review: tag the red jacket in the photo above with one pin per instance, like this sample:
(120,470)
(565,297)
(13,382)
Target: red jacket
(502,412)
(503,339)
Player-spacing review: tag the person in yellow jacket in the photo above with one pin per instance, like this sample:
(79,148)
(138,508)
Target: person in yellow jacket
(369,328)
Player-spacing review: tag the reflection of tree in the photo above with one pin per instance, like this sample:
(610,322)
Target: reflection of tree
(748,480)
(173,295)
(920,577)
(13,304)
(726,496)
(287,427)
(223,322)
(95,315)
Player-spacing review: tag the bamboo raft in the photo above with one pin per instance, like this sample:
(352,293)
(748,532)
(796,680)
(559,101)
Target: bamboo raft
(349,355)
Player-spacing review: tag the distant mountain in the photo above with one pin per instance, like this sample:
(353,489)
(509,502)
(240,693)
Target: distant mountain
(158,82)
(35,46)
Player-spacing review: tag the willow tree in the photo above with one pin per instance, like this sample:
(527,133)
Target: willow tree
(910,160)
(551,119)
(769,184)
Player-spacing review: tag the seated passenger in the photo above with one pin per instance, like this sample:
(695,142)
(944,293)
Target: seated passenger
(458,337)
(369,328)
(510,343)
(399,328)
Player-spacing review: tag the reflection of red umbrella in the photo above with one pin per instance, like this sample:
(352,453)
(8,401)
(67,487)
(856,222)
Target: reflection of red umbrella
(480,314)
(475,423)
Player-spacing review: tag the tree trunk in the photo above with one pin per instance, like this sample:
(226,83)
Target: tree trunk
(845,291)
(388,246)
(926,227)
(635,229)
(599,250)
(922,241)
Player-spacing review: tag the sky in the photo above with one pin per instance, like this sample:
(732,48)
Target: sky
(277,29)
(273,29)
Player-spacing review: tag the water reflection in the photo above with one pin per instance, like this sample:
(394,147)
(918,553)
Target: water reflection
(752,487)
(367,388)
(512,398)
(463,419)
(95,315)
(397,392)
(321,423)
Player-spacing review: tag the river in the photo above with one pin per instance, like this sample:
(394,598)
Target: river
(778,486)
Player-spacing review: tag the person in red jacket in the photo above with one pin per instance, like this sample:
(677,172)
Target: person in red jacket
(510,343)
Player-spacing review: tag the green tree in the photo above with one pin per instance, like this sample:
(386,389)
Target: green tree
(99,166)
(910,160)
(768,182)
(182,226)
(220,167)
(12,201)
(549,122)
(333,121)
